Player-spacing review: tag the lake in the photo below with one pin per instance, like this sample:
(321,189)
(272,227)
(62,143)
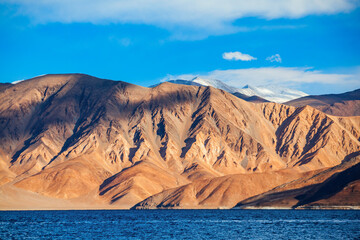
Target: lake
(181,224)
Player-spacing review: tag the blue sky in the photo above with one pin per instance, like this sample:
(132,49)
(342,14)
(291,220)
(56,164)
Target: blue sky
(312,46)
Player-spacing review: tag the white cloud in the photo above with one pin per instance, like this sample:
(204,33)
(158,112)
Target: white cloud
(182,17)
(274,58)
(285,76)
(237,56)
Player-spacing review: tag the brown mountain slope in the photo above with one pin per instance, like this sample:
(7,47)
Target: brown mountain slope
(345,104)
(220,192)
(137,183)
(66,136)
(335,187)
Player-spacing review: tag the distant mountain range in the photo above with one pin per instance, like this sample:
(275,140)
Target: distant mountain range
(344,104)
(76,141)
(276,94)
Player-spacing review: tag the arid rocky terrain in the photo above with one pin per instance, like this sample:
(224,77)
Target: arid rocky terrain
(73,141)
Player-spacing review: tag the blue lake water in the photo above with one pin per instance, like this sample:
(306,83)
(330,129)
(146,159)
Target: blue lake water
(180,224)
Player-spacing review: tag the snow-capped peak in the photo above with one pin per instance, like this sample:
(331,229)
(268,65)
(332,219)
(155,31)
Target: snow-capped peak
(272,93)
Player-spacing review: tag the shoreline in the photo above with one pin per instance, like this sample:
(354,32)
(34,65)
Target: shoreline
(220,209)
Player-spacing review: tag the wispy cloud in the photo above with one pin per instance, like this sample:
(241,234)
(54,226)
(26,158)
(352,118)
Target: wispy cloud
(181,17)
(285,76)
(237,56)
(125,42)
(274,58)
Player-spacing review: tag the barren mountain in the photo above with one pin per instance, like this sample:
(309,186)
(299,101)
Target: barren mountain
(345,104)
(219,192)
(82,138)
(338,186)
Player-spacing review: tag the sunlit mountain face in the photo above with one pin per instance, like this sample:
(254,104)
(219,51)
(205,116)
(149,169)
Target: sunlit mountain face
(73,139)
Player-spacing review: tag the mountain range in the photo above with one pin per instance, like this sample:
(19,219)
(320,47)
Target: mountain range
(73,141)
(344,104)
